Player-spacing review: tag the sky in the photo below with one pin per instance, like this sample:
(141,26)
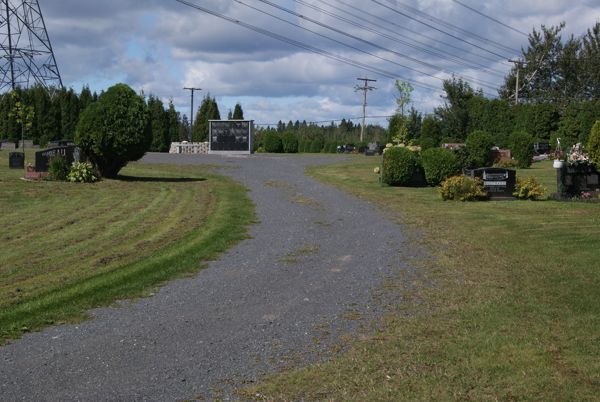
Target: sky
(298,59)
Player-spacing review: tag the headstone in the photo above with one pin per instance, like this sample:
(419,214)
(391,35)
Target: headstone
(231,136)
(16,160)
(499,183)
(372,149)
(42,158)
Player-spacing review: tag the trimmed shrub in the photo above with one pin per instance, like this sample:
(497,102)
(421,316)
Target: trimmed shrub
(439,163)
(272,143)
(462,188)
(58,168)
(528,189)
(290,143)
(82,172)
(521,146)
(114,130)
(399,166)
(479,145)
(593,146)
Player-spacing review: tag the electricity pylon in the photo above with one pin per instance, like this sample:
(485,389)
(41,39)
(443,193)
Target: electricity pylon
(26,56)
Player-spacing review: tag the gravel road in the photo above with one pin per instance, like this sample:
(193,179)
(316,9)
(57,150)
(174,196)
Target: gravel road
(313,266)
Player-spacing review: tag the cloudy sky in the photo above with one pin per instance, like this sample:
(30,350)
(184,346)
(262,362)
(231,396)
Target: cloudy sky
(297,59)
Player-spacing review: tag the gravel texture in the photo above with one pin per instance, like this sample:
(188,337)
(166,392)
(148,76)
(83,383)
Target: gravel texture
(311,271)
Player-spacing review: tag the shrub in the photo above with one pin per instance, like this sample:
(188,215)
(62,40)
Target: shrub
(439,163)
(114,130)
(462,188)
(479,145)
(528,189)
(593,146)
(316,145)
(521,146)
(58,168)
(399,166)
(506,163)
(82,172)
(290,143)
(272,143)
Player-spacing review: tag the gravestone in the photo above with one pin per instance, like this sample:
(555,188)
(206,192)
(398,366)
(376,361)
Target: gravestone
(230,136)
(498,183)
(42,158)
(16,160)
(573,180)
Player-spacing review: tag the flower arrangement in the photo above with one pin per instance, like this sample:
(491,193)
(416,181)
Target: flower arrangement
(577,155)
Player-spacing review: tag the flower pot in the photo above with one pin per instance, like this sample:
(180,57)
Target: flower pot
(558,164)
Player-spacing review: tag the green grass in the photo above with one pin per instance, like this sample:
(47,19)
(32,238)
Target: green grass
(508,309)
(68,247)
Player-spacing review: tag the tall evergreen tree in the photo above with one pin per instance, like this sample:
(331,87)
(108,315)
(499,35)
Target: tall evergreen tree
(238,113)
(158,120)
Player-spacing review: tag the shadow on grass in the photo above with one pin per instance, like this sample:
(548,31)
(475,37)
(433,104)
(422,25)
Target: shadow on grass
(161,179)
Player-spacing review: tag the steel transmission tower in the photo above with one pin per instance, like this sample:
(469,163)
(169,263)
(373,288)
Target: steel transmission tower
(27,58)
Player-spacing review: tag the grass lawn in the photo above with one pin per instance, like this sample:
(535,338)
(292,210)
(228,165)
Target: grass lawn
(67,247)
(509,308)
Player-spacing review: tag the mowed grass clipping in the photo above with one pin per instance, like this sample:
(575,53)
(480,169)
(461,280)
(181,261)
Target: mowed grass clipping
(509,308)
(68,247)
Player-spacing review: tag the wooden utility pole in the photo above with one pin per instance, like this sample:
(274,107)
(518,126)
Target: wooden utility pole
(192,113)
(519,64)
(365,88)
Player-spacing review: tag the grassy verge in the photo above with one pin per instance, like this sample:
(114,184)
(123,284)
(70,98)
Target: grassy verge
(508,309)
(69,247)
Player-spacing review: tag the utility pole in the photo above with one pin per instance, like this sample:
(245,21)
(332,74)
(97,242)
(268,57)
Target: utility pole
(365,88)
(192,90)
(519,64)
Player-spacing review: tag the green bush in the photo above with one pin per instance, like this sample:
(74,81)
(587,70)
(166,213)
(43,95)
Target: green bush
(399,166)
(479,145)
(58,168)
(82,172)
(521,146)
(462,188)
(289,142)
(114,130)
(330,147)
(439,163)
(506,163)
(316,145)
(528,189)
(272,143)
(593,146)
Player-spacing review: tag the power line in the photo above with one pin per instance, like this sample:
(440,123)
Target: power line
(304,46)
(483,83)
(503,57)
(431,18)
(425,48)
(440,42)
(490,18)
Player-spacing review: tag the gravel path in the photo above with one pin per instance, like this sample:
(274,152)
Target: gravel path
(313,266)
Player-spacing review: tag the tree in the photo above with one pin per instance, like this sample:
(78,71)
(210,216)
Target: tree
(173,123)
(23,115)
(208,110)
(479,145)
(590,60)
(413,124)
(454,115)
(114,130)
(238,113)
(404,95)
(431,133)
(593,144)
(161,139)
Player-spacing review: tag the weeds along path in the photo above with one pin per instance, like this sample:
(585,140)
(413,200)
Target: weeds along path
(311,271)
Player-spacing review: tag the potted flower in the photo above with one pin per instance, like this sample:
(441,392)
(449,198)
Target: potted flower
(558,156)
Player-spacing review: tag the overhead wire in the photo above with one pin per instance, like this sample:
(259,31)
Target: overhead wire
(304,46)
(446,24)
(490,18)
(358,25)
(426,47)
(501,56)
(341,32)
